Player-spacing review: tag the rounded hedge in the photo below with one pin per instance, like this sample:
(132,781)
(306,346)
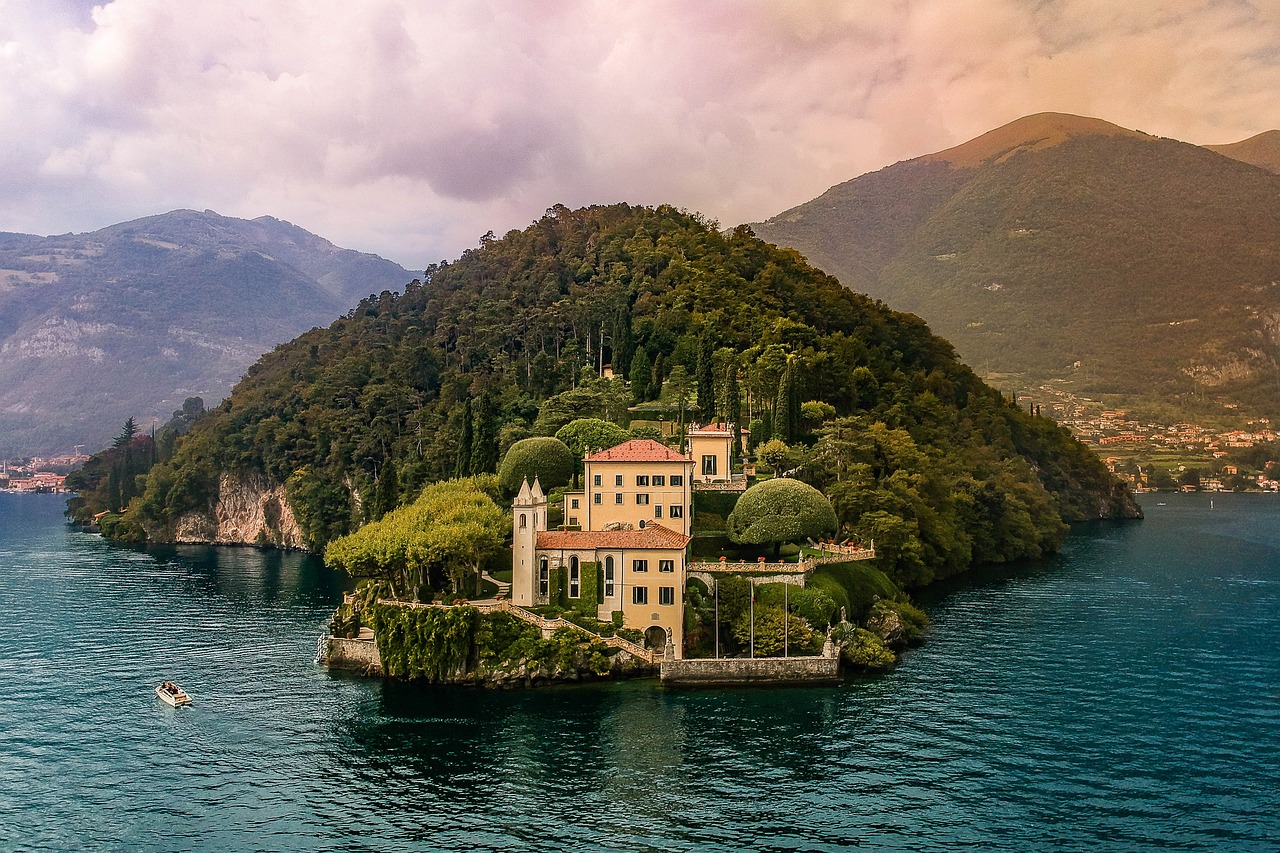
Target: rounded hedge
(780,510)
(548,459)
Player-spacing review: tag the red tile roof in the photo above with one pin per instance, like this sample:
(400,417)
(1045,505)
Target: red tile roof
(653,537)
(638,450)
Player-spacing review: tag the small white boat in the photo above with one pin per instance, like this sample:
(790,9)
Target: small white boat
(172,694)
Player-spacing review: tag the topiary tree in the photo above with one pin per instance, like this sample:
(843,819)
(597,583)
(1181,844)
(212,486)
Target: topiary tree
(778,511)
(548,459)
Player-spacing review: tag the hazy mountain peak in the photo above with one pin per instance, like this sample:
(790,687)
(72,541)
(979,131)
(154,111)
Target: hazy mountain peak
(131,319)
(1029,133)
(1262,150)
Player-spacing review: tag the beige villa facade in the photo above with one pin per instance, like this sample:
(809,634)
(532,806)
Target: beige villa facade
(630,525)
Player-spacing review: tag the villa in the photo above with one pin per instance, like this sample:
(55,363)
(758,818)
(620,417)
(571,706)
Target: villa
(623,545)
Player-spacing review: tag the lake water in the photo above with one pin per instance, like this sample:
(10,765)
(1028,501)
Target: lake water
(1123,695)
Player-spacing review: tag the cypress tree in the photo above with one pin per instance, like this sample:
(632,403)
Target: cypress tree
(706,378)
(786,409)
(387,496)
(462,465)
(782,407)
(484,442)
(623,341)
(640,374)
(732,397)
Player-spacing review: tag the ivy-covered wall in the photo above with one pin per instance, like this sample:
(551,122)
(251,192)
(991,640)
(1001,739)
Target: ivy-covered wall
(424,643)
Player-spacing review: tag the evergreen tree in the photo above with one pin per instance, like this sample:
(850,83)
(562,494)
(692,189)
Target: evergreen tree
(462,464)
(484,441)
(732,403)
(706,378)
(387,496)
(640,374)
(623,341)
(782,424)
(126,434)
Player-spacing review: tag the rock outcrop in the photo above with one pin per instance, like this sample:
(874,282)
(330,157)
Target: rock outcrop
(248,511)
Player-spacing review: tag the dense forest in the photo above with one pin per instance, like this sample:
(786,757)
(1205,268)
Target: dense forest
(513,340)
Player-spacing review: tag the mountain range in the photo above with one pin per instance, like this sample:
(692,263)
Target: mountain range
(1066,249)
(130,320)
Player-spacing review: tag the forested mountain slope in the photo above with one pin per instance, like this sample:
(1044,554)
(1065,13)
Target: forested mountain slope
(1061,247)
(435,382)
(134,318)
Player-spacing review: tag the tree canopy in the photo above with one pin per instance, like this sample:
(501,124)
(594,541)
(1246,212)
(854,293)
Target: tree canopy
(547,459)
(778,511)
(523,326)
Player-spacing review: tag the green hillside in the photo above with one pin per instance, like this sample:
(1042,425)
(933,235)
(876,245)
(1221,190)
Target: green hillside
(1066,248)
(510,340)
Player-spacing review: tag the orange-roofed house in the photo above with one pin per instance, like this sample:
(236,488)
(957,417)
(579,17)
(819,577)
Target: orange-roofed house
(625,543)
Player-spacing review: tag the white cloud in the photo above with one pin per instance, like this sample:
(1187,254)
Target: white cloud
(410,129)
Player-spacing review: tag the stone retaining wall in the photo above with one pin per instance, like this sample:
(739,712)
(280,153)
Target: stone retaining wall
(355,655)
(709,672)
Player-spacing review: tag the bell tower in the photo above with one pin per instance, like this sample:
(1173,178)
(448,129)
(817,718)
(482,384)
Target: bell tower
(528,518)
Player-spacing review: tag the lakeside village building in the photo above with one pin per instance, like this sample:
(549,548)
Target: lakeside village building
(625,535)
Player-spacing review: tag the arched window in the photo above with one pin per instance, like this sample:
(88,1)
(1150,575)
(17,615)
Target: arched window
(544,576)
(608,576)
(575,578)
(523,521)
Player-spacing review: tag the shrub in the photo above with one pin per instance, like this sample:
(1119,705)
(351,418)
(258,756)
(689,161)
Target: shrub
(547,459)
(778,511)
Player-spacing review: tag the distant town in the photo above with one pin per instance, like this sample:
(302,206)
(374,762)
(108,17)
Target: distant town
(1152,455)
(39,474)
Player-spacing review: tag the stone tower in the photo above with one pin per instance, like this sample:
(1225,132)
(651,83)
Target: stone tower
(528,517)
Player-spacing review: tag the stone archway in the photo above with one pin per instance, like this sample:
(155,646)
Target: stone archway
(655,637)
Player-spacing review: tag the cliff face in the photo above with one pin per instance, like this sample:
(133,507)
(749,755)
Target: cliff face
(248,511)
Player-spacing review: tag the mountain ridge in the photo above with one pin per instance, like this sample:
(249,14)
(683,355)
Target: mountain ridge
(1112,260)
(131,319)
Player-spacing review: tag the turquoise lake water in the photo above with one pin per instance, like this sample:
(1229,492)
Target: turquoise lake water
(1124,695)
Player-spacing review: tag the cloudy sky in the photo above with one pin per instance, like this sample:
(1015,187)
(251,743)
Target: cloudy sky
(409,128)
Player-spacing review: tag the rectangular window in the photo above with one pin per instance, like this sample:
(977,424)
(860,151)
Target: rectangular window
(657,511)
(575,582)
(573,521)
(617,497)
(542,577)
(666,595)
(617,479)
(677,512)
(639,595)
(595,479)
(573,503)
(639,565)
(666,565)
(595,498)
(642,500)
(709,465)
(642,480)
(608,578)
(659,479)
(677,479)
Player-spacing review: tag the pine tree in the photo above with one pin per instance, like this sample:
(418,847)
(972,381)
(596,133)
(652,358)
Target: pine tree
(706,378)
(640,374)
